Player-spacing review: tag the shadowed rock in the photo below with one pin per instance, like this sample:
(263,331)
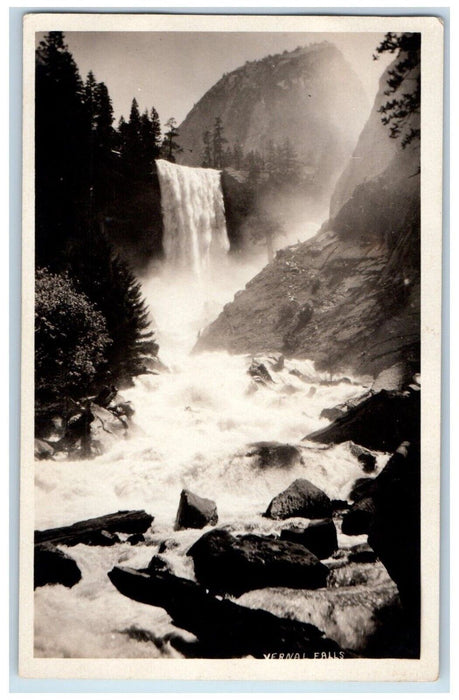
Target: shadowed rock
(319,537)
(195,512)
(381,422)
(301,499)
(51,566)
(275,454)
(227,564)
(224,629)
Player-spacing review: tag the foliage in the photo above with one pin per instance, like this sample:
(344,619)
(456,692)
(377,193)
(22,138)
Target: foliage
(90,179)
(105,278)
(404,83)
(264,229)
(170,145)
(61,149)
(71,338)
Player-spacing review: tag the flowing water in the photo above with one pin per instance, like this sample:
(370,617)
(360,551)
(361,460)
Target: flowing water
(192,428)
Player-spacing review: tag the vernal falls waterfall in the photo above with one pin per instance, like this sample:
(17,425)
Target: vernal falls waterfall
(193,216)
(193,427)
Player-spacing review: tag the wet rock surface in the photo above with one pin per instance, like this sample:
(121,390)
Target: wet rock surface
(381,422)
(222,627)
(195,512)
(319,537)
(274,454)
(228,564)
(52,566)
(301,499)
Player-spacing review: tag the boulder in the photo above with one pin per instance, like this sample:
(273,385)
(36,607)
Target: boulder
(223,628)
(228,564)
(358,519)
(361,488)
(137,538)
(366,458)
(51,566)
(301,499)
(341,409)
(381,422)
(275,454)
(319,537)
(42,449)
(362,554)
(97,531)
(390,515)
(395,529)
(195,512)
(258,371)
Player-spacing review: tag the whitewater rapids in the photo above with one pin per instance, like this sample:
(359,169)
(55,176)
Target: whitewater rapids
(192,430)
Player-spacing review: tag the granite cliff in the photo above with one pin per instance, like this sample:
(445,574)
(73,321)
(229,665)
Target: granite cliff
(310,95)
(349,298)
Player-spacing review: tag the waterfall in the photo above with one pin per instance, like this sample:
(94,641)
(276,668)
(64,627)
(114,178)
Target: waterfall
(194,226)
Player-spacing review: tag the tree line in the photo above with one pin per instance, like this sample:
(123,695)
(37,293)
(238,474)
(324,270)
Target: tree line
(278,160)
(92,184)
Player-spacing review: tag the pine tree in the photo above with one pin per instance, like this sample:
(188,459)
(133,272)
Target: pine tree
(207,156)
(218,141)
(62,135)
(170,146)
(108,282)
(398,113)
(238,156)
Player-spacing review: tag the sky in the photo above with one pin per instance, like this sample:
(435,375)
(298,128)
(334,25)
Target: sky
(171,71)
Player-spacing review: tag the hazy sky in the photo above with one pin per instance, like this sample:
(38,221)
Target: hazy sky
(172,70)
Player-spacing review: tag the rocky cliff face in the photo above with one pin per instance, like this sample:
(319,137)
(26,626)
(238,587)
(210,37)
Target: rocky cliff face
(310,95)
(349,298)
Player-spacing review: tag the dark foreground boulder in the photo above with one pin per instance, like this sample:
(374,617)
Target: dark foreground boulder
(97,531)
(227,564)
(358,519)
(319,537)
(195,512)
(362,554)
(301,500)
(366,458)
(52,566)
(224,629)
(390,515)
(395,530)
(274,454)
(381,422)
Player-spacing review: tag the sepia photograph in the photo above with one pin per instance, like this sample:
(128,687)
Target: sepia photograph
(222,456)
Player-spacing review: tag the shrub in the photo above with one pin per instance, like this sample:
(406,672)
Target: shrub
(70,338)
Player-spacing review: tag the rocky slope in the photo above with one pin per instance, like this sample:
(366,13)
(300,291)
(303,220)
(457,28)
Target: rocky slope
(310,95)
(349,298)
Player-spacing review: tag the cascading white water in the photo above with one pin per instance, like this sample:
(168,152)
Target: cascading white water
(194,225)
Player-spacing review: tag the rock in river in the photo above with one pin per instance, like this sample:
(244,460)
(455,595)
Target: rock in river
(319,537)
(195,512)
(301,499)
(52,566)
(227,564)
(224,629)
(275,454)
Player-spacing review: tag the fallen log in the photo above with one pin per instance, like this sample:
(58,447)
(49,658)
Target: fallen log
(224,629)
(97,531)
